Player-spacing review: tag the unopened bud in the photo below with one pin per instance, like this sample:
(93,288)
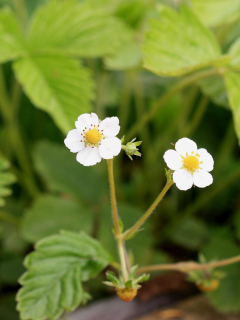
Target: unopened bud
(131,148)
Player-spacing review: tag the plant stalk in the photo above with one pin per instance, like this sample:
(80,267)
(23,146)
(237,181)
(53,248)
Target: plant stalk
(189,266)
(118,235)
(128,233)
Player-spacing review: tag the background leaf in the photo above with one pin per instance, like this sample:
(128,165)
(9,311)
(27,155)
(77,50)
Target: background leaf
(68,176)
(49,215)
(222,246)
(57,85)
(227,11)
(193,229)
(84,32)
(232,80)
(56,269)
(172,49)
(11,37)
(127,57)
(214,88)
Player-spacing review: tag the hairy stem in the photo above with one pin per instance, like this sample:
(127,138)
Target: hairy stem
(120,242)
(188,266)
(128,233)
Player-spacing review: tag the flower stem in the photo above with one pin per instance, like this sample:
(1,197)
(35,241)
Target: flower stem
(128,233)
(189,266)
(120,242)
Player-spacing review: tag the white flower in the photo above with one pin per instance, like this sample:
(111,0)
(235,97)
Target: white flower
(94,139)
(191,165)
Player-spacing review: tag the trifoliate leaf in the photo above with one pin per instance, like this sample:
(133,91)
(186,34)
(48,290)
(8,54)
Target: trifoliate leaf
(11,36)
(227,11)
(49,214)
(55,272)
(173,49)
(57,85)
(76,29)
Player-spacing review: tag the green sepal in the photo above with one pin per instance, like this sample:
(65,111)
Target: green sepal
(129,284)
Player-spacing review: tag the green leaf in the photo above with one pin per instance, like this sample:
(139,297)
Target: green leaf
(76,29)
(11,37)
(49,215)
(68,175)
(55,272)
(6,178)
(57,85)
(232,80)
(227,11)
(234,52)
(222,246)
(133,12)
(214,88)
(173,49)
(191,234)
(127,57)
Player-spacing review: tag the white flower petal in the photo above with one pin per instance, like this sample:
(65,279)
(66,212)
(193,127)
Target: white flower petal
(202,178)
(172,159)
(183,179)
(86,120)
(89,156)
(206,159)
(73,141)
(110,147)
(110,127)
(184,146)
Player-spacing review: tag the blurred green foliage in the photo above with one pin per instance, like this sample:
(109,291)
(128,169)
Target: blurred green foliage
(63,58)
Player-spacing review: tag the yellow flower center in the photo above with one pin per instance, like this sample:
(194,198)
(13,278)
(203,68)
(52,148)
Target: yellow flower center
(191,163)
(93,136)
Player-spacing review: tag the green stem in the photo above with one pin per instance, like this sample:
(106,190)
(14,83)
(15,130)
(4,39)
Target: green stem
(9,218)
(162,141)
(14,134)
(177,87)
(198,115)
(120,242)
(101,91)
(128,233)
(125,101)
(226,147)
(188,266)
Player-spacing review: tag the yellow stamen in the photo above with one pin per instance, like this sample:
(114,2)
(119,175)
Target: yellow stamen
(93,136)
(191,163)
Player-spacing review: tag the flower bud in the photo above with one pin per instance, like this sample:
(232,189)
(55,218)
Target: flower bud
(131,148)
